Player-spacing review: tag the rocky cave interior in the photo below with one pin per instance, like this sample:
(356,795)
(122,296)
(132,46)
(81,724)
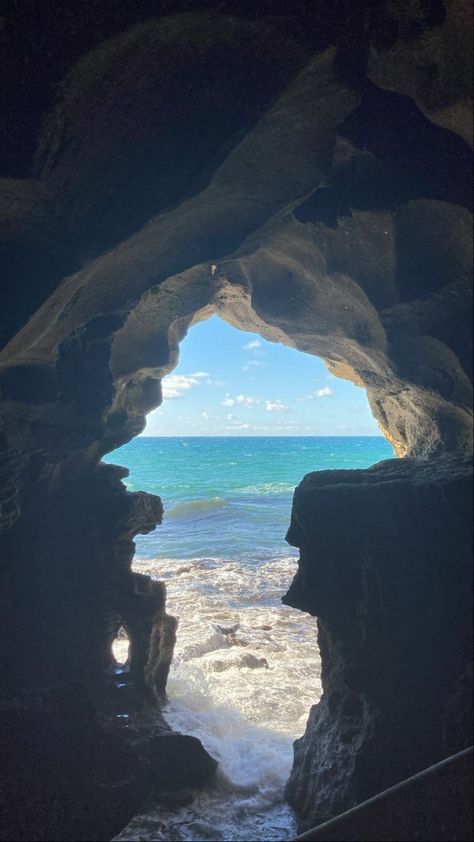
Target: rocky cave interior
(303,170)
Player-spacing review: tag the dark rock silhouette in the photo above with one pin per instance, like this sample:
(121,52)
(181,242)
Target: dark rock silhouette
(262,164)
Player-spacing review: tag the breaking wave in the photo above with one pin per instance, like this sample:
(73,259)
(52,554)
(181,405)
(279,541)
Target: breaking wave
(191,507)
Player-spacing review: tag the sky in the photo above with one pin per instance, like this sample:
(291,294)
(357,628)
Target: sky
(232,383)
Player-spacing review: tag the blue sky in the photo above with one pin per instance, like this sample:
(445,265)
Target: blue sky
(231,383)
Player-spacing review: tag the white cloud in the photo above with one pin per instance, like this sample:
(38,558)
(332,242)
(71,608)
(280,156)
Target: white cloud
(175,385)
(318,393)
(252,345)
(245,400)
(323,393)
(275,406)
(240,400)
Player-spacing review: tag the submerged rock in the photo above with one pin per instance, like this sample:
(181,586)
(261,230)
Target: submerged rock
(177,762)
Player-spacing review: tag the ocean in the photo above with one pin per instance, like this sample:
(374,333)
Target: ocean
(246,668)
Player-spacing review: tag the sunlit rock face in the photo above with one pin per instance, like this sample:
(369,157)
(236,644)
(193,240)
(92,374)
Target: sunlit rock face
(269,172)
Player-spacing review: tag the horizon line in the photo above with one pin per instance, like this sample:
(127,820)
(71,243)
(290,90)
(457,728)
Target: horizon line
(266,436)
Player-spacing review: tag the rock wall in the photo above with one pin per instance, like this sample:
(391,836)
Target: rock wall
(393,594)
(312,213)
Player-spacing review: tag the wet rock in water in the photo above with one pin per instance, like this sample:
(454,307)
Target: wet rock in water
(177,761)
(252,662)
(236,641)
(227,629)
(174,799)
(246,660)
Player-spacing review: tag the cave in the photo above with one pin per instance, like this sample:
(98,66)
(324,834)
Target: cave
(302,170)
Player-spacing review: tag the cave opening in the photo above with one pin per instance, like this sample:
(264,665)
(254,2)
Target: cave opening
(120,647)
(236,432)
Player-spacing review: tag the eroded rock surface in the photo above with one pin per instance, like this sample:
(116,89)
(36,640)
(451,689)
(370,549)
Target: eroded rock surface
(393,594)
(263,167)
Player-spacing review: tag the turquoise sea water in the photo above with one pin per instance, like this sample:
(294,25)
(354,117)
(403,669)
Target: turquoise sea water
(231,497)
(246,668)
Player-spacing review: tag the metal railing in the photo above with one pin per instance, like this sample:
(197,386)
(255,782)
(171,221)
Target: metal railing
(435,804)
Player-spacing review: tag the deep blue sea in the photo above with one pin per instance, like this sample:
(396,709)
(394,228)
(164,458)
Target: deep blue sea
(231,497)
(246,668)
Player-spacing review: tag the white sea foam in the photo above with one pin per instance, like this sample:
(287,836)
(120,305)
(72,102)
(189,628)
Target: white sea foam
(268,488)
(245,674)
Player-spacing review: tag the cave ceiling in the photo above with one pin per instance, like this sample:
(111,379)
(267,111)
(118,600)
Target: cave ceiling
(328,208)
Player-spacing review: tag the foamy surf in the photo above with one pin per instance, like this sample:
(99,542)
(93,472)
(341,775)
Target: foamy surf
(245,674)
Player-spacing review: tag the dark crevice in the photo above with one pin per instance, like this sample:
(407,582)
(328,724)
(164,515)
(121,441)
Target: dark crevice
(371,23)
(392,127)
(398,155)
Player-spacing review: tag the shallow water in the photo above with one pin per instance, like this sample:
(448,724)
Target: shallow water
(246,669)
